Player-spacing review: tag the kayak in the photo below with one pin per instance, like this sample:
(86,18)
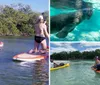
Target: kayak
(56,68)
(28,57)
(1,44)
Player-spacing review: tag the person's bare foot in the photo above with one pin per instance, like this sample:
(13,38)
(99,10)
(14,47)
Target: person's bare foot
(42,51)
(32,51)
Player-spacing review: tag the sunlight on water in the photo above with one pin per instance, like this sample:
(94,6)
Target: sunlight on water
(55,11)
(96,3)
(92,1)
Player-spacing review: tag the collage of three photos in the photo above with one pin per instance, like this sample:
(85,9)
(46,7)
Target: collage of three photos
(49,42)
(75,42)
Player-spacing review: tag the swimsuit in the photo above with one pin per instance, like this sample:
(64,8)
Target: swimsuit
(98,66)
(39,39)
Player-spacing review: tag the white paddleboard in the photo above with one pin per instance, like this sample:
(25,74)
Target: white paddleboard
(28,57)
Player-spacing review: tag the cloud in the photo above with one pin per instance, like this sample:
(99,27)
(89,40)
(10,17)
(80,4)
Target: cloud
(58,47)
(63,46)
(91,49)
(90,44)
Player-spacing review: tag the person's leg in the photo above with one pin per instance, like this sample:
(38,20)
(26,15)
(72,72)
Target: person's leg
(36,47)
(44,46)
(98,67)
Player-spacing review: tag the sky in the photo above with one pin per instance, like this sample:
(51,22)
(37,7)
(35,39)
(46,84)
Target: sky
(58,47)
(36,5)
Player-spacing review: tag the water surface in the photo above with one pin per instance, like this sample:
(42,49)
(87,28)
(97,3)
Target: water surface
(87,30)
(79,73)
(19,73)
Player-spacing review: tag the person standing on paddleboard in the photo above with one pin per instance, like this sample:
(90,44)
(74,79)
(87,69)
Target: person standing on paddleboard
(40,36)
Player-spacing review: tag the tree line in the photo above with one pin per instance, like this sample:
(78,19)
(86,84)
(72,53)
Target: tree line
(75,55)
(18,20)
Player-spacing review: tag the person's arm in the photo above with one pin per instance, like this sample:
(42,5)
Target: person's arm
(45,31)
(55,65)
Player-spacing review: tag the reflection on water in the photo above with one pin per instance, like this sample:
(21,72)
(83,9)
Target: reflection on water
(40,73)
(97,75)
(20,73)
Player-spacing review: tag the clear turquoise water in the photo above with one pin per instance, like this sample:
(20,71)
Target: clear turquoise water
(78,73)
(87,30)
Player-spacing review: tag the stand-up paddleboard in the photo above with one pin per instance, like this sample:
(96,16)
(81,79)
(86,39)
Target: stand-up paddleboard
(1,44)
(29,57)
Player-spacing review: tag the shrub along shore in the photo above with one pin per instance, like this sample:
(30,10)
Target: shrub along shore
(18,20)
(75,55)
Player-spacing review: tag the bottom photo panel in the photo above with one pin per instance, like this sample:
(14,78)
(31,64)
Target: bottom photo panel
(74,63)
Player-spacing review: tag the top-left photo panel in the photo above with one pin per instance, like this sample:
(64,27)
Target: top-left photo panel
(24,42)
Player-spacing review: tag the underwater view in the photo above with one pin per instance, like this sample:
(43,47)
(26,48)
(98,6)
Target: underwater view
(75,23)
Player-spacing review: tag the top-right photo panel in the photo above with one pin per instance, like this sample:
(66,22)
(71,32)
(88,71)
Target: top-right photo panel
(75,20)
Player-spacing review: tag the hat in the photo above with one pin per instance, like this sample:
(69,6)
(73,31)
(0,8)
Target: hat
(40,17)
(96,57)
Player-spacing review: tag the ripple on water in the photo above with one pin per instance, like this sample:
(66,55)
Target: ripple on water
(40,73)
(79,73)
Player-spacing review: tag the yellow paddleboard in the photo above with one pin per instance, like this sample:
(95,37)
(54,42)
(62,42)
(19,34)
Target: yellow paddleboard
(56,68)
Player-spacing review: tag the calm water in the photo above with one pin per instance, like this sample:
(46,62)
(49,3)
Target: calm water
(20,73)
(87,30)
(79,73)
